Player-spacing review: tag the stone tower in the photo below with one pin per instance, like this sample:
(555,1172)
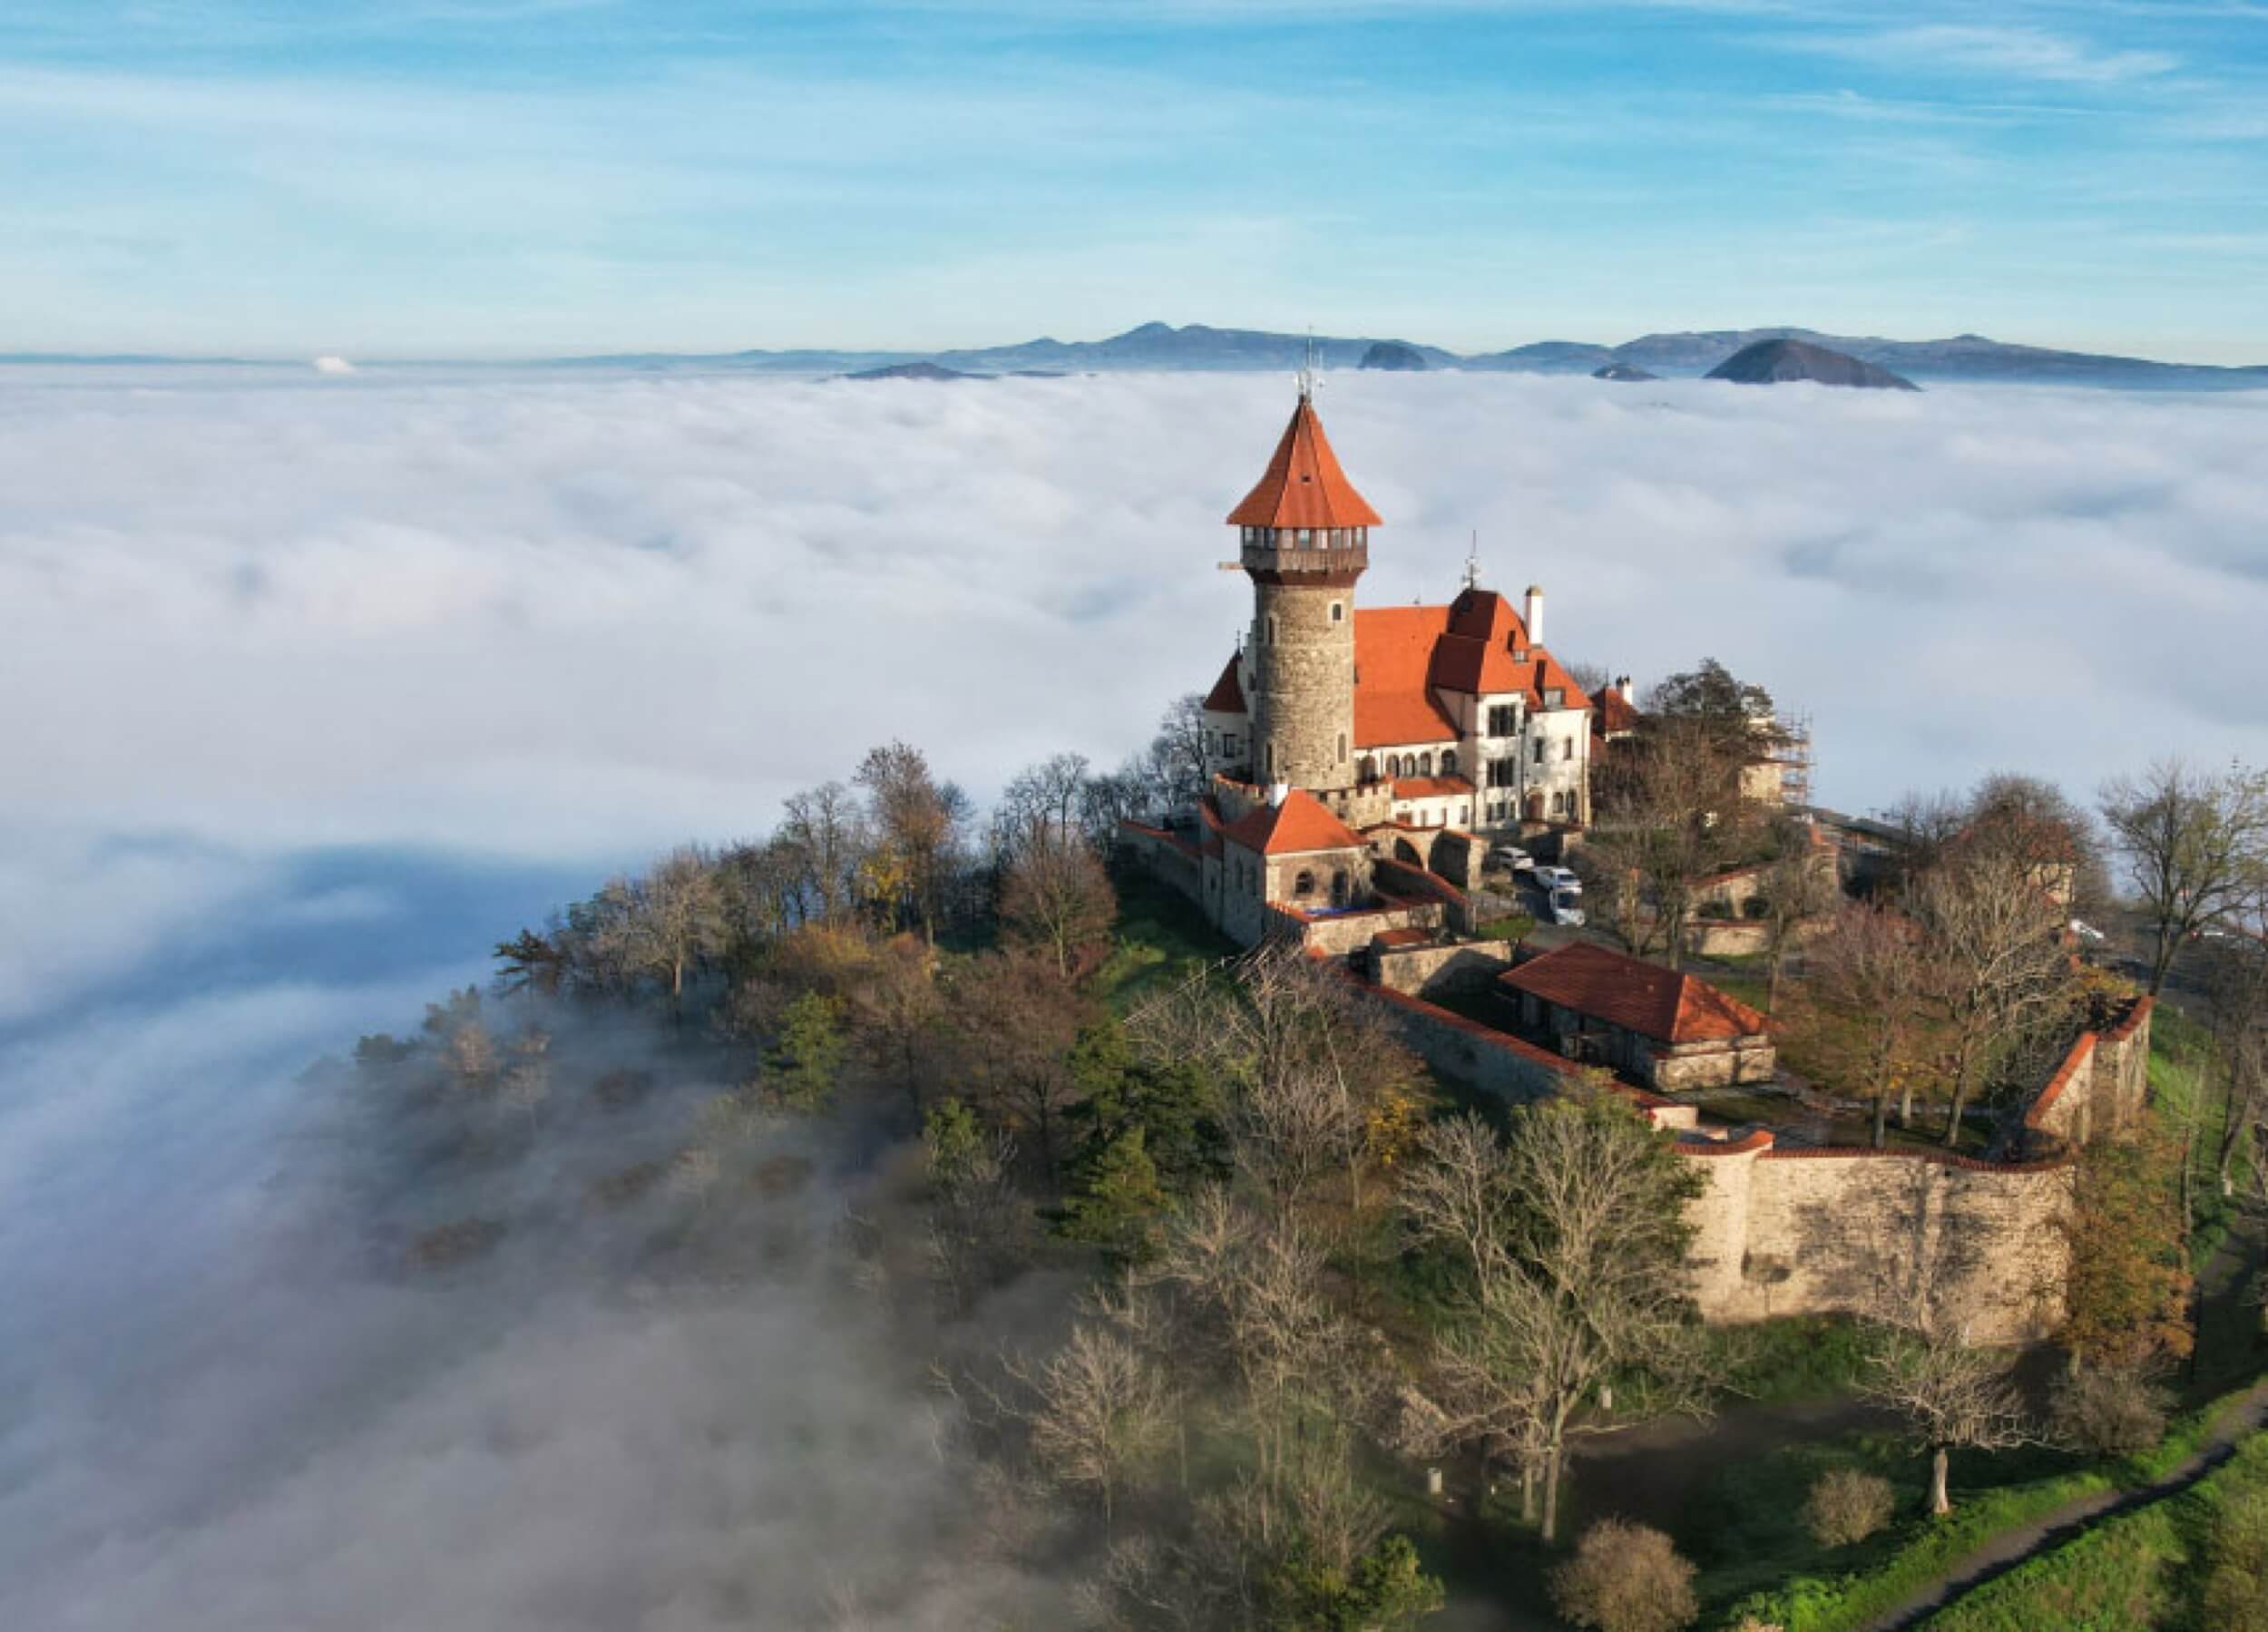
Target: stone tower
(1304,534)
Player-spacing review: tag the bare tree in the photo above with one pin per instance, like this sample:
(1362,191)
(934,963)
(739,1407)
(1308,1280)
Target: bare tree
(1952,1396)
(1671,814)
(1102,1412)
(1046,800)
(825,838)
(1056,895)
(2236,1008)
(1869,969)
(1993,943)
(1582,1277)
(1798,886)
(666,923)
(2195,845)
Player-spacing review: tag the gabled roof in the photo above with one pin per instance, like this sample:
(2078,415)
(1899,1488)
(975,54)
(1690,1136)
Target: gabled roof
(1636,995)
(1302,822)
(1227,697)
(1617,714)
(1304,486)
(1393,654)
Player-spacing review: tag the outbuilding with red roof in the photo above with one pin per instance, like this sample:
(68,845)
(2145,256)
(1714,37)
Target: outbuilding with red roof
(1666,1029)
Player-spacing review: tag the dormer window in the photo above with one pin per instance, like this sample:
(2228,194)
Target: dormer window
(1554,698)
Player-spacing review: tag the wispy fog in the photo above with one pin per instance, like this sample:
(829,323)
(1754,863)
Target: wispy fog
(315,689)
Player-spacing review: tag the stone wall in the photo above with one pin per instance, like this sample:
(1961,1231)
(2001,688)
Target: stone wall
(2099,1087)
(1399,878)
(1335,934)
(1468,1051)
(1429,970)
(1803,1231)
(1303,676)
(1167,857)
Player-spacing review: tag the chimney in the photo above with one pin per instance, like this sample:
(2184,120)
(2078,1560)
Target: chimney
(1277,792)
(1622,687)
(1535,614)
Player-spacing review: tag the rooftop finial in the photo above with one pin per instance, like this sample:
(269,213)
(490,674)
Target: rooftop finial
(1310,371)
(1472,562)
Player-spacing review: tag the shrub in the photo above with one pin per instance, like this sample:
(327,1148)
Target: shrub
(1626,1578)
(2236,1586)
(1846,1506)
(2109,1411)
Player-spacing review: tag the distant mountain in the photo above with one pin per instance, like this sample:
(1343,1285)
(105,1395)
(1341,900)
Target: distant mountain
(1622,371)
(1196,347)
(1160,346)
(1394,357)
(1545,356)
(913,371)
(1776,362)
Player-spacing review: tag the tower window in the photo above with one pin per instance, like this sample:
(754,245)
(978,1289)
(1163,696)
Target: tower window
(1449,762)
(1342,745)
(1503,720)
(1338,611)
(1271,629)
(1539,750)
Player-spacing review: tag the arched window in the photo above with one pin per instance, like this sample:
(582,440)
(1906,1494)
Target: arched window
(1338,887)
(1449,762)
(1368,771)
(1338,611)
(1425,765)
(1303,886)
(1393,766)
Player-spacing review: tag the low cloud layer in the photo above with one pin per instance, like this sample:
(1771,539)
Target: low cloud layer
(318,685)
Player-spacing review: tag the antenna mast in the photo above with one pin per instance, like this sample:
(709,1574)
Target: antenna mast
(1472,562)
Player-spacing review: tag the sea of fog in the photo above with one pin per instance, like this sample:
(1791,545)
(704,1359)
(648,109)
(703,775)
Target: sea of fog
(311,688)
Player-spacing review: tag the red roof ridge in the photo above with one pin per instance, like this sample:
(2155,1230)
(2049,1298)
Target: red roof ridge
(1665,1004)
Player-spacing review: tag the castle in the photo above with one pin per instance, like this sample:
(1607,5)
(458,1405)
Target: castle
(1338,736)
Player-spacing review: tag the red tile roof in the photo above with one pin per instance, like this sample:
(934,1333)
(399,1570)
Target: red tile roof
(1304,486)
(1636,995)
(1393,650)
(1617,714)
(1302,822)
(1227,697)
(1404,654)
(1431,787)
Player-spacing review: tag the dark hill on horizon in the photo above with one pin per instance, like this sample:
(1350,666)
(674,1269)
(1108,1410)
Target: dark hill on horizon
(1778,362)
(1197,347)
(1394,357)
(1626,372)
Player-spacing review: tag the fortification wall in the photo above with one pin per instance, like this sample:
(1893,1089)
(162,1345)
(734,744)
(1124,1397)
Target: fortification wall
(1391,878)
(1335,935)
(1814,1231)
(1427,970)
(2099,1087)
(1170,859)
(1469,1051)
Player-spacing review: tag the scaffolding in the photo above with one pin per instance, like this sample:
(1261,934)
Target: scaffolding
(1791,752)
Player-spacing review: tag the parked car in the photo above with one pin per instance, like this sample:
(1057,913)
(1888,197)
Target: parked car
(1512,856)
(2087,932)
(1559,878)
(1566,908)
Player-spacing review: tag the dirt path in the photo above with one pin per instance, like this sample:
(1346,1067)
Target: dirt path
(2005,1551)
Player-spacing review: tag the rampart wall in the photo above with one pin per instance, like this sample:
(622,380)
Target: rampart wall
(1805,1230)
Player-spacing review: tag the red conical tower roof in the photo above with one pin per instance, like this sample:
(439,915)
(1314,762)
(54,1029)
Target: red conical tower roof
(1305,486)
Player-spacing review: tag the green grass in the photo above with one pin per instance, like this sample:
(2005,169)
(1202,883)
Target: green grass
(1911,1557)
(2182,1089)
(1514,927)
(1800,1357)
(2133,1571)
(1161,939)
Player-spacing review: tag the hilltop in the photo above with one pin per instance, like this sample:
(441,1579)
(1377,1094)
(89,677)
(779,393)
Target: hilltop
(1777,362)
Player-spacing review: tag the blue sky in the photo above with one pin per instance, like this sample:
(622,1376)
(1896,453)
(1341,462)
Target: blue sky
(524,177)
